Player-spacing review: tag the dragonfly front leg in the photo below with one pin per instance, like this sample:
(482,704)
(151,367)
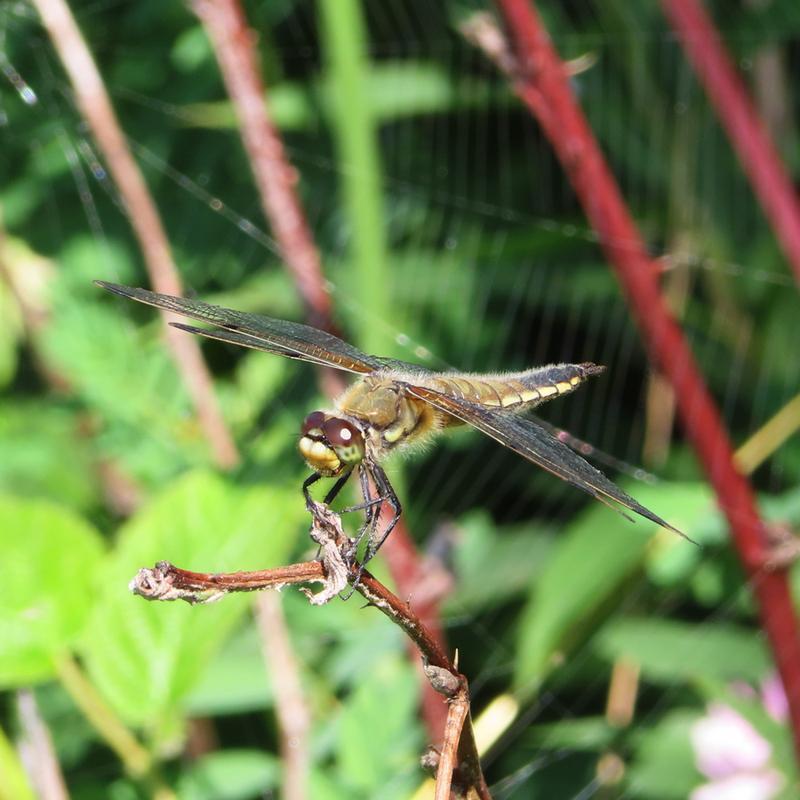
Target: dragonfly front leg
(332,492)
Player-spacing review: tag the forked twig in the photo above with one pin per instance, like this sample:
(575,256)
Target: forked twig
(460,753)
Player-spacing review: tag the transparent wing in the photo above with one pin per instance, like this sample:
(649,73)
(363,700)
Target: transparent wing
(289,339)
(531,441)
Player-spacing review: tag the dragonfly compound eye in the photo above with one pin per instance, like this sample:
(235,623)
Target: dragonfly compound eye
(345,439)
(313,422)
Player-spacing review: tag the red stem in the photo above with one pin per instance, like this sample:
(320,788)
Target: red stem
(728,94)
(541,82)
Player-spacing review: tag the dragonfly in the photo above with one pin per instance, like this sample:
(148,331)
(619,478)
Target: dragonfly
(396,406)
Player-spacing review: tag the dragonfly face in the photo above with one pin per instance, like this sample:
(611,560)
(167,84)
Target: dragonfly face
(396,405)
(329,444)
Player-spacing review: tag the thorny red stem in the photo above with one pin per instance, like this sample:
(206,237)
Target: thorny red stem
(738,115)
(541,82)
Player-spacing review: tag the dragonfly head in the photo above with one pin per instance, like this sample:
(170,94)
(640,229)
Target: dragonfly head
(330,444)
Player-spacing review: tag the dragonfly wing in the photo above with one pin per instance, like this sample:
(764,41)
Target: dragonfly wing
(290,339)
(531,441)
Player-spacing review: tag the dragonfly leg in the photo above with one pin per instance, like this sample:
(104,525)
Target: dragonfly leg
(337,487)
(307,484)
(386,493)
(332,492)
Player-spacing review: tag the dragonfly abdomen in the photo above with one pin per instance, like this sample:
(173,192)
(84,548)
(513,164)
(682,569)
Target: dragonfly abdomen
(517,390)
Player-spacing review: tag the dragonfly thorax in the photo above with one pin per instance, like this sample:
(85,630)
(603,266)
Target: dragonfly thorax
(330,444)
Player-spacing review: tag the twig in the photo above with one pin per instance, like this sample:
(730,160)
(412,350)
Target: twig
(457,694)
(539,79)
(95,105)
(167,582)
(738,115)
(37,751)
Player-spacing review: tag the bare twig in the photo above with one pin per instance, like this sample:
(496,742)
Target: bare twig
(457,693)
(95,105)
(539,79)
(728,94)
(37,751)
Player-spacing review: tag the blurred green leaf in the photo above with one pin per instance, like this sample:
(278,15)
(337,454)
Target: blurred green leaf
(230,775)
(662,767)
(671,651)
(10,331)
(585,733)
(394,90)
(493,564)
(236,680)
(191,49)
(33,461)
(49,562)
(16,785)
(590,562)
(379,732)
(137,649)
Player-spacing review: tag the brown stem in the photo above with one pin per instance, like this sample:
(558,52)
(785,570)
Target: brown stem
(95,105)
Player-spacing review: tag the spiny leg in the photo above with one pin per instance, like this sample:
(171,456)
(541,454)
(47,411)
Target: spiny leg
(386,493)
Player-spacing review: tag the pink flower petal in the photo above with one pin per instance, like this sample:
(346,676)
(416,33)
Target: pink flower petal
(774,698)
(726,744)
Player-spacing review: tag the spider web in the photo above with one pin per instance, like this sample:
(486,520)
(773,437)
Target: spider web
(488,266)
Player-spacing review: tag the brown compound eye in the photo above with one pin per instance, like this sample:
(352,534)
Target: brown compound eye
(316,419)
(341,433)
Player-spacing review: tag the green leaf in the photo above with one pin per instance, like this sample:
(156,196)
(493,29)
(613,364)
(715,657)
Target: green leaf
(138,649)
(49,559)
(663,765)
(33,461)
(586,733)
(237,680)
(493,564)
(670,651)
(15,785)
(230,775)
(379,731)
(591,562)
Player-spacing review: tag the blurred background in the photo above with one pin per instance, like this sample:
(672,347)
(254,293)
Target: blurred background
(603,652)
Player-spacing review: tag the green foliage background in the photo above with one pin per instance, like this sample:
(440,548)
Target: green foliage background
(449,236)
